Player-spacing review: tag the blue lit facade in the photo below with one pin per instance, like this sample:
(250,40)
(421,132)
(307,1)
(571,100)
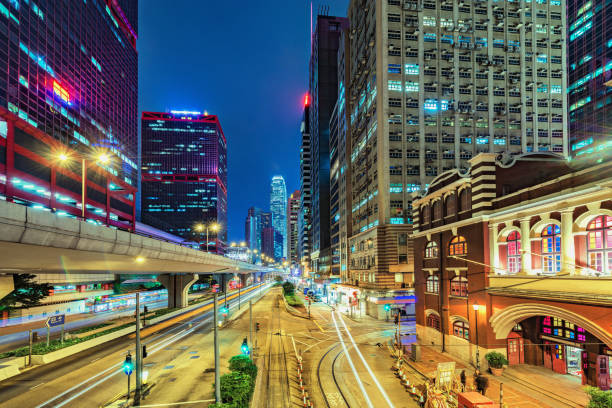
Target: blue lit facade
(278,208)
(184,174)
(69,84)
(590,68)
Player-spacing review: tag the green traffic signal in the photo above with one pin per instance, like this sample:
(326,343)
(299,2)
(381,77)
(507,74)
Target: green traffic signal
(387,307)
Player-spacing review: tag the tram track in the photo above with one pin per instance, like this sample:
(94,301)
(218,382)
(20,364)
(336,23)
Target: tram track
(549,394)
(277,388)
(333,372)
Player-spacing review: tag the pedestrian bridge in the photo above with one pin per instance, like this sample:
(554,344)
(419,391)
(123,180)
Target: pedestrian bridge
(37,242)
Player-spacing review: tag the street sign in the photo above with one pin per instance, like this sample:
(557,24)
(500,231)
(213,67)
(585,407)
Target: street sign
(57,320)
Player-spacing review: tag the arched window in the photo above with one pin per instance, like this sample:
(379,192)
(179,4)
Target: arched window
(461,329)
(459,286)
(437,210)
(551,249)
(457,246)
(514,252)
(464,200)
(599,244)
(450,205)
(431,250)
(426,214)
(433,320)
(432,284)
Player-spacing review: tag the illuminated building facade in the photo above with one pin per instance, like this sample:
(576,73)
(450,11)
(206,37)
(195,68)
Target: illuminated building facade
(520,247)
(304,218)
(323,89)
(253,228)
(589,39)
(293,210)
(68,93)
(432,84)
(278,208)
(184,174)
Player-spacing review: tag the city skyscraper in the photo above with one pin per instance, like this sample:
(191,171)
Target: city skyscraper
(278,208)
(54,112)
(340,170)
(589,43)
(323,89)
(293,210)
(253,228)
(304,217)
(184,174)
(431,85)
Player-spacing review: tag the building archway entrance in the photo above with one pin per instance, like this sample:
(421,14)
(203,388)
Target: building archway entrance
(562,346)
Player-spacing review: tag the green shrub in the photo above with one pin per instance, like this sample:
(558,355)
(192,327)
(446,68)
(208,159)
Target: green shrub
(495,359)
(599,398)
(244,364)
(222,405)
(236,389)
(292,300)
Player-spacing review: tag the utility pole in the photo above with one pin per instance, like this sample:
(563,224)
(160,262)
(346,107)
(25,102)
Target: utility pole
(217,379)
(138,353)
(239,284)
(251,324)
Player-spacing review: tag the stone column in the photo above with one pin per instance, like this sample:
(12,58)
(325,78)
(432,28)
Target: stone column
(568,256)
(494,249)
(178,287)
(6,285)
(525,248)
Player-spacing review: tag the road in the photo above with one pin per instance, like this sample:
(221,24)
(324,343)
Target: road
(346,362)
(17,335)
(92,378)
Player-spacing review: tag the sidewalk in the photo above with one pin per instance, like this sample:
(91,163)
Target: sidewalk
(523,386)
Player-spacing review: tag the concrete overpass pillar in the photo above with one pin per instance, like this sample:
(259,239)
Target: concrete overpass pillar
(178,287)
(6,285)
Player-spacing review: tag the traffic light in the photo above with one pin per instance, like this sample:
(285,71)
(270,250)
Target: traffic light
(387,307)
(245,347)
(146,310)
(256,326)
(144,350)
(128,364)
(224,310)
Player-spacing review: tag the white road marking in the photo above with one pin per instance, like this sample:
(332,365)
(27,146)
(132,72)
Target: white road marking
(365,363)
(94,360)
(37,385)
(350,360)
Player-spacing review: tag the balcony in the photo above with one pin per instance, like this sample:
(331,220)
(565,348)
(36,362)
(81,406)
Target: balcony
(569,288)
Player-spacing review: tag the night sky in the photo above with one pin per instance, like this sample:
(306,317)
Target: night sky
(246,62)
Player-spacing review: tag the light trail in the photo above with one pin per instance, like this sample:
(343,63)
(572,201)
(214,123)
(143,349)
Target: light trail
(155,348)
(365,363)
(348,357)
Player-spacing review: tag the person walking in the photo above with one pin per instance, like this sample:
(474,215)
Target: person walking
(462,378)
(482,383)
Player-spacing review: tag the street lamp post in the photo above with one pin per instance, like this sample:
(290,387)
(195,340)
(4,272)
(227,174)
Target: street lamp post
(476,308)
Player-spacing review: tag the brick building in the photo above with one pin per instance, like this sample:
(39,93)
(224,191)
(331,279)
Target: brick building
(515,255)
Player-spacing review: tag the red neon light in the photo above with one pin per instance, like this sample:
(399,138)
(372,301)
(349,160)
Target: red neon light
(306,100)
(61,92)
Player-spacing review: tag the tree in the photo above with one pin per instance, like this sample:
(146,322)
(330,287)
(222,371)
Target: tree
(244,364)
(278,279)
(288,288)
(27,293)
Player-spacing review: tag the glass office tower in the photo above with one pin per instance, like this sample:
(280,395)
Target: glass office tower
(184,175)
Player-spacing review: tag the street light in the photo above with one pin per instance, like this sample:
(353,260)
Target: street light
(63,157)
(476,307)
(199,227)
